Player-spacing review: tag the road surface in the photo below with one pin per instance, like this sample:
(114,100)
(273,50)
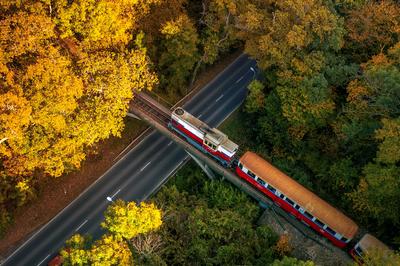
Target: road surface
(139,173)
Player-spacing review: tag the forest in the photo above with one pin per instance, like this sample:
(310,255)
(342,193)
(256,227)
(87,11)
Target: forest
(191,220)
(326,110)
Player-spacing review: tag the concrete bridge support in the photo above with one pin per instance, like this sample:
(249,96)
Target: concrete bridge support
(207,170)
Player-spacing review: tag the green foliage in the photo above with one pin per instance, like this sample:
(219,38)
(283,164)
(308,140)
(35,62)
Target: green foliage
(379,193)
(180,55)
(223,197)
(377,257)
(212,224)
(389,148)
(330,123)
(308,105)
(275,39)
(287,261)
(255,101)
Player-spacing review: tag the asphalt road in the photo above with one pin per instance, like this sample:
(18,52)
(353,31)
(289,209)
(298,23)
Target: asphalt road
(139,173)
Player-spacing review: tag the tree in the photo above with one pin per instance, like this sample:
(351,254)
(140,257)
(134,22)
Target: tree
(378,193)
(377,257)
(372,28)
(389,148)
(212,225)
(25,35)
(123,221)
(101,24)
(128,220)
(108,250)
(110,79)
(181,53)
(290,35)
(217,34)
(308,106)
(287,261)
(67,111)
(255,101)
(76,252)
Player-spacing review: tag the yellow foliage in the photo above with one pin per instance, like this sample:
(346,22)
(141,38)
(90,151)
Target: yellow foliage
(356,91)
(15,114)
(24,33)
(103,23)
(128,220)
(110,251)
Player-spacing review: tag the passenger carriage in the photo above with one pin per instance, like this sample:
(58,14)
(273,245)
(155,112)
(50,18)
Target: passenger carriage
(207,139)
(297,200)
(366,244)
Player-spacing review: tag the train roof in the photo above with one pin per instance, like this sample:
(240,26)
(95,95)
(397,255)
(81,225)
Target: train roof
(213,134)
(301,195)
(369,242)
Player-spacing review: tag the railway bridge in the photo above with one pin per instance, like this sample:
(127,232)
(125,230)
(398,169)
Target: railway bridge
(146,108)
(158,116)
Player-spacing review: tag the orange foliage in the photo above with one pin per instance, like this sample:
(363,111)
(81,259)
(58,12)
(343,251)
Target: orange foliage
(283,247)
(374,25)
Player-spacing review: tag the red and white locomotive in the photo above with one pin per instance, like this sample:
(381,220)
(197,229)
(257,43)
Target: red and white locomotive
(204,138)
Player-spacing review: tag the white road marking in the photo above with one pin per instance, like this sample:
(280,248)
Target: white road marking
(237,81)
(147,164)
(43,260)
(170,143)
(219,98)
(199,115)
(115,193)
(82,224)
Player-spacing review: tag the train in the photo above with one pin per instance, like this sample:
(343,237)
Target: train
(276,185)
(367,243)
(199,134)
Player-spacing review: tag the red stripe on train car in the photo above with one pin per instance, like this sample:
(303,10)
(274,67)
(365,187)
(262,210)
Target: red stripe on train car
(218,153)
(288,208)
(188,133)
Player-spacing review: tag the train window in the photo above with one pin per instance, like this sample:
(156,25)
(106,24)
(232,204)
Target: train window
(261,182)
(308,215)
(319,223)
(271,188)
(240,165)
(344,239)
(251,174)
(291,202)
(359,251)
(330,230)
(297,207)
(281,196)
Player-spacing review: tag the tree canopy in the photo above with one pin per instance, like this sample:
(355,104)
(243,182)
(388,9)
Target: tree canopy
(127,220)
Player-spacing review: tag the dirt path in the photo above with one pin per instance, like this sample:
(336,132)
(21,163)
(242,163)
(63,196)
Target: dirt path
(321,251)
(56,193)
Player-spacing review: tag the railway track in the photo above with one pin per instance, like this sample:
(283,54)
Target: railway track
(151,108)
